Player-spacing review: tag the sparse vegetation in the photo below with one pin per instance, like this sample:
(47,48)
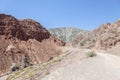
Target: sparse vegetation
(66,34)
(82,44)
(31,70)
(90,53)
(15,68)
(47,73)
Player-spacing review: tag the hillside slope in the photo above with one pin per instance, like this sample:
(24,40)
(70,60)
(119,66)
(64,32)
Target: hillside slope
(66,34)
(104,37)
(24,43)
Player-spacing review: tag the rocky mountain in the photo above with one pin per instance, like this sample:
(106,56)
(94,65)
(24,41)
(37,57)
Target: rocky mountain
(24,43)
(104,37)
(26,46)
(66,34)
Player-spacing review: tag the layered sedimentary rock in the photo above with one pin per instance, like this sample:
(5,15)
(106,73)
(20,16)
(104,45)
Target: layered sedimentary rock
(24,43)
(104,37)
(66,34)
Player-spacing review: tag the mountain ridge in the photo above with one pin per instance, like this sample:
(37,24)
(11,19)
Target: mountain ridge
(66,34)
(104,37)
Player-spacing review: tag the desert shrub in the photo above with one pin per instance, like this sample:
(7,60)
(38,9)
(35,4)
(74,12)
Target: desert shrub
(90,53)
(26,61)
(15,68)
(47,73)
(82,44)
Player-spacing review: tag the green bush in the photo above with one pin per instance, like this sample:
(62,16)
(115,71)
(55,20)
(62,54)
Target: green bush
(90,53)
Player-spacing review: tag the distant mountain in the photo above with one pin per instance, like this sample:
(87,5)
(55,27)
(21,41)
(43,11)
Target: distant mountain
(66,34)
(104,37)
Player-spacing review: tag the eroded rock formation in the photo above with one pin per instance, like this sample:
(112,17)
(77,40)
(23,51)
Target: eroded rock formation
(24,43)
(104,37)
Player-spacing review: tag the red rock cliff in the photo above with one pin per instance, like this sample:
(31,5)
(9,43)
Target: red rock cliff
(24,43)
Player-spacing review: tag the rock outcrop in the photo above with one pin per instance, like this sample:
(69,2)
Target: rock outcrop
(104,37)
(24,43)
(23,30)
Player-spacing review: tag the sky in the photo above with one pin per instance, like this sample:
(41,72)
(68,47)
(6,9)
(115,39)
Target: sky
(83,14)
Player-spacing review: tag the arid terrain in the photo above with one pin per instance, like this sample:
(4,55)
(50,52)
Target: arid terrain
(24,43)
(66,34)
(28,51)
(103,66)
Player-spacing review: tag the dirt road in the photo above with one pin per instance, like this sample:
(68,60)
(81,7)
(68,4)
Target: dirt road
(101,67)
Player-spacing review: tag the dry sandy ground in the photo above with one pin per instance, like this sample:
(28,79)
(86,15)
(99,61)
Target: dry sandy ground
(101,67)
(76,66)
